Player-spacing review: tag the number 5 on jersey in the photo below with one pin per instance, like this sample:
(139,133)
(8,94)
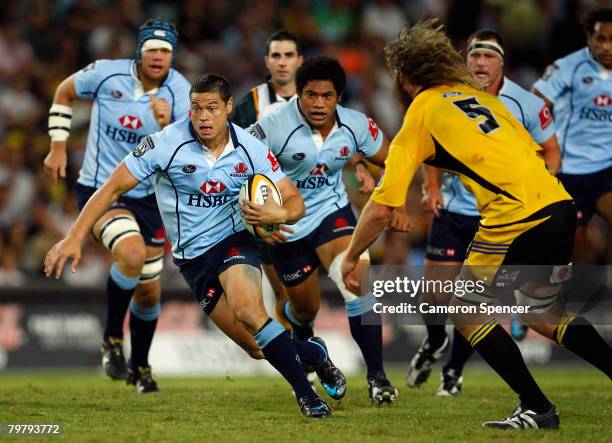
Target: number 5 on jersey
(473,109)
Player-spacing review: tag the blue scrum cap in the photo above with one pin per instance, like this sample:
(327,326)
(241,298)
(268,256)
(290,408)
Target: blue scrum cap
(159,33)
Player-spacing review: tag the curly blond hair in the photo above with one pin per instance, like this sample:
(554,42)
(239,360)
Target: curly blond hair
(423,55)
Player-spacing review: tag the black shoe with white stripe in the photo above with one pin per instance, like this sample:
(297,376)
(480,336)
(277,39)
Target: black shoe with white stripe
(523,418)
(421,363)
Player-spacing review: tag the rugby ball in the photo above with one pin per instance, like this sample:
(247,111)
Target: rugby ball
(254,189)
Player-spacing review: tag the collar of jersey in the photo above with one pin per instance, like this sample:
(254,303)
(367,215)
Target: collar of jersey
(503,86)
(138,88)
(603,72)
(274,97)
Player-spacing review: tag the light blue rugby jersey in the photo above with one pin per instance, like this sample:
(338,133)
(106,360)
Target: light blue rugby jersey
(531,112)
(313,165)
(121,116)
(581,91)
(196,194)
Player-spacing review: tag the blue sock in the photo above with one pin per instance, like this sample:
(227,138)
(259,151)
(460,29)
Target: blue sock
(311,353)
(279,350)
(367,337)
(119,289)
(142,327)
(301,331)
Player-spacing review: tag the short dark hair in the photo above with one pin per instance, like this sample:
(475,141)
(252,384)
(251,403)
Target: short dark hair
(321,68)
(283,35)
(487,34)
(212,83)
(594,15)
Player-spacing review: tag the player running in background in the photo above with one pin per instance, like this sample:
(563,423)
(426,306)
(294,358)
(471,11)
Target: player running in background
(313,137)
(194,164)
(282,60)
(456,215)
(527,217)
(131,99)
(578,90)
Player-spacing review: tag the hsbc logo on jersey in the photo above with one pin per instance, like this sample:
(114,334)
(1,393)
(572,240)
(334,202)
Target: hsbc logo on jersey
(320,169)
(273,161)
(372,128)
(213,187)
(602,100)
(130,122)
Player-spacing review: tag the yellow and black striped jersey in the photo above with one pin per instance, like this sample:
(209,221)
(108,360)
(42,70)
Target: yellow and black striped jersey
(471,133)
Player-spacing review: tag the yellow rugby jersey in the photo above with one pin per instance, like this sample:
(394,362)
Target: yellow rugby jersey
(471,133)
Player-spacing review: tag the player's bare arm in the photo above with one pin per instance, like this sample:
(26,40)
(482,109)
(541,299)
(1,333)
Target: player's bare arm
(56,160)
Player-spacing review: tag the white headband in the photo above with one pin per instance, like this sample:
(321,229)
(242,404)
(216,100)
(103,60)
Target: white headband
(155,43)
(486,45)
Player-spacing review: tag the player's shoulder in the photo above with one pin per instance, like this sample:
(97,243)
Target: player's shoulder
(351,117)
(245,139)
(518,93)
(284,120)
(174,135)
(579,56)
(107,66)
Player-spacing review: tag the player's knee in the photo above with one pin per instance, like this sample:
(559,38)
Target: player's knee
(131,259)
(147,296)
(537,303)
(336,275)
(305,312)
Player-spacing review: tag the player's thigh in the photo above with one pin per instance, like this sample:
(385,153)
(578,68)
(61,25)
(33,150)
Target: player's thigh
(327,252)
(223,316)
(280,293)
(439,272)
(241,284)
(604,208)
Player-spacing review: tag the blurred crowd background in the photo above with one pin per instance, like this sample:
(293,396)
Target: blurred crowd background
(43,41)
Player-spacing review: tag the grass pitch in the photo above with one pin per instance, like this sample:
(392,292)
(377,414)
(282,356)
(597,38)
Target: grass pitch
(93,408)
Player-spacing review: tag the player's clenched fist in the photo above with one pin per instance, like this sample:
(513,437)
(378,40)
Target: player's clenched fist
(161,110)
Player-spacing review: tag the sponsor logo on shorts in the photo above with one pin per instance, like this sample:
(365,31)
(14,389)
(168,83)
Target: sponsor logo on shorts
(297,274)
(189,169)
(506,278)
(441,252)
(342,224)
(210,294)
(159,237)
(234,254)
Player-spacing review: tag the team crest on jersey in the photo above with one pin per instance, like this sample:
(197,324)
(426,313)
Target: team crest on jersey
(273,161)
(145,145)
(240,170)
(130,122)
(372,128)
(587,80)
(116,94)
(602,100)
(189,169)
(298,156)
(212,187)
(320,169)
